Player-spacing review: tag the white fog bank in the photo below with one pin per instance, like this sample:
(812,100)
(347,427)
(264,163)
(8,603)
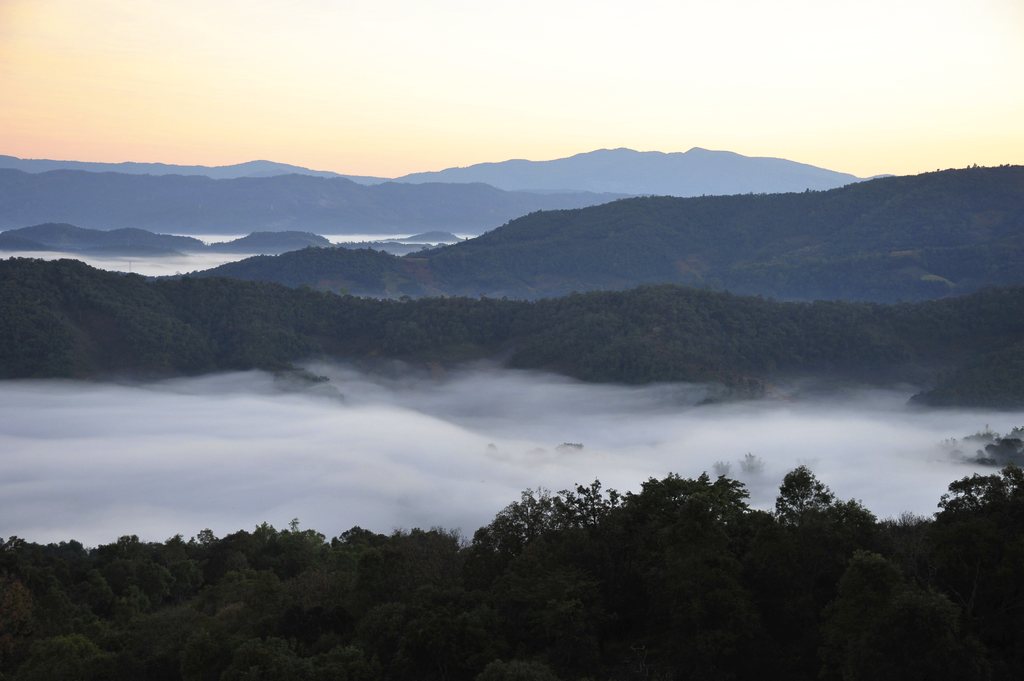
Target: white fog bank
(95,461)
(183,263)
(147,265)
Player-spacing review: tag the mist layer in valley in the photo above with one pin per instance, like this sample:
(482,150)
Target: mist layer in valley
(150,266)
(93,461)
(181,263)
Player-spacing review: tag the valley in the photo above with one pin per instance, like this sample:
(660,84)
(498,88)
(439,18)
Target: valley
(535,341)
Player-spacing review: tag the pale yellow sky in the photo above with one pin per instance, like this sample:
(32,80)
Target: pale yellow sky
(386,87)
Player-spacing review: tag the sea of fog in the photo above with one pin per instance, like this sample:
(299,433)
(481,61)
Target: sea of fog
(334,238)
(182,263)
(150,266)
(93,461)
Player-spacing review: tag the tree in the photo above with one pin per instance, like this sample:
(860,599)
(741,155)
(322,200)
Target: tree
(15,613)
(516,670)
(879,628)
(977,554)
(64,657)
(801,492)
(269,659)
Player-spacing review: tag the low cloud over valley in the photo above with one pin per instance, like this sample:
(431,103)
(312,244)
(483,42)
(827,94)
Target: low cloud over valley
(93,461)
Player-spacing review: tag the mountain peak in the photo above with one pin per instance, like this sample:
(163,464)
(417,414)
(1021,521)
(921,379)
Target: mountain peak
(622,170)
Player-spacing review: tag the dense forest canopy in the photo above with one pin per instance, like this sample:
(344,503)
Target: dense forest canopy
(65,319)
(886,240)
(679,580)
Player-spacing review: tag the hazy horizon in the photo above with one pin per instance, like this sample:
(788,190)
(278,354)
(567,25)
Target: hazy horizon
(344,171)
(386,89)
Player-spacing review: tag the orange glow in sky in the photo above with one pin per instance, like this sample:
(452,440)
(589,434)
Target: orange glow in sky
(387,87)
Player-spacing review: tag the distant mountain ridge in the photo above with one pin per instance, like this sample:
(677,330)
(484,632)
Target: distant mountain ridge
(133,242)
(139,242)
(624,171)
(201,205)
(886,240)
(248,169)
(71,239)
(618,171)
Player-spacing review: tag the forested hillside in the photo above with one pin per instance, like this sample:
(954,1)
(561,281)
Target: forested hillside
(66,319)
(679,580)
(887,240)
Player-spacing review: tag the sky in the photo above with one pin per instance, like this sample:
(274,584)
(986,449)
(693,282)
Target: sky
(387,87)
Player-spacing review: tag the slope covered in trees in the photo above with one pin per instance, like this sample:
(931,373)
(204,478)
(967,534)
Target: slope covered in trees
(887,240)
(678,580)
(66,319)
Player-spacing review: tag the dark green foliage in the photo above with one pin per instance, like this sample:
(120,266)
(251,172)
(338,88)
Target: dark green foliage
(880,627)
(361,271)
(887,240)
(801,496)
(990,380)
(680,580)
(65,319)
(71,656)
(516,670)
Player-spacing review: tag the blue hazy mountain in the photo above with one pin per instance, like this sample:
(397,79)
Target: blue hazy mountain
(202,205)
(72,239)
(247,169)
(139,242)
(619,171)
(624,171)
(270,243)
